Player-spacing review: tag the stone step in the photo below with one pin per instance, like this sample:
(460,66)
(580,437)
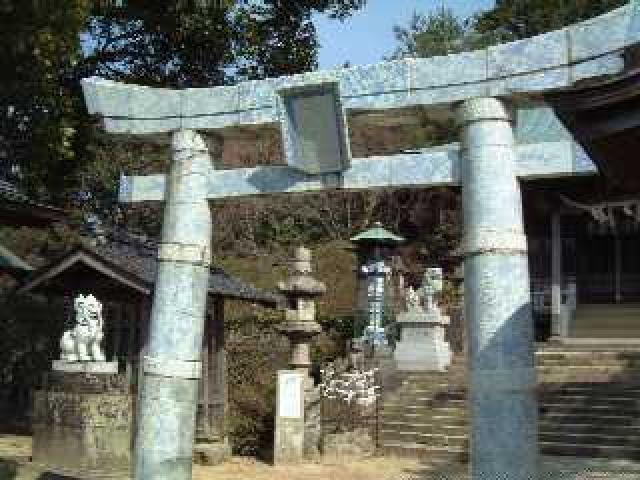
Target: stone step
(424,418)
(433,427)
(434,394)
(594,403)
(576,351)
(589,429)
(565,375)
(589,419)
(388,408)
(590,439)
(577,450)
(460,371)
(458,436)
(566,356)
(578,369)
(606,388)
(583,410)
(598,345)
(587,373)
(431,454)
(461,454)
(579,359)
(590,398)
(429,439)
(438,384)
(424,402)
(558,401)
(555,366)
(460,380)
(545,374)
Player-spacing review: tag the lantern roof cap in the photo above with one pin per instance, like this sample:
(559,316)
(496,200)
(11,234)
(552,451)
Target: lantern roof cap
(377,234)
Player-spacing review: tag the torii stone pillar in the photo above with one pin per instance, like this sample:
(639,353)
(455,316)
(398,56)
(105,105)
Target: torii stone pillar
(497,300)
(168,395)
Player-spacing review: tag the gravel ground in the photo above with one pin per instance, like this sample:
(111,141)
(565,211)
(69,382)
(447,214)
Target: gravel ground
(15,451)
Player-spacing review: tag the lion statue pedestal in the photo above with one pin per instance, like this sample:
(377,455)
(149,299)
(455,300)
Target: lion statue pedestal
(83,414)
(422,345)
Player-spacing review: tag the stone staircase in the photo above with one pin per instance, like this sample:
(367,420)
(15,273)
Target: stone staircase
(589,406)
(425,415)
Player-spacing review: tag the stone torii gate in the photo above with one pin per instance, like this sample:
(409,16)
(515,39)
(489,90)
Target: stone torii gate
(508,135)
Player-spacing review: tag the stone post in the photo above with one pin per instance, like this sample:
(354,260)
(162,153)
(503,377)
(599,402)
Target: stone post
(300,316)
(289,432)
(168,394)
(503,407)
(300,327)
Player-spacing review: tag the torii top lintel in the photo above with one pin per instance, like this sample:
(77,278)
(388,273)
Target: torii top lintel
(554,60)
(311,108)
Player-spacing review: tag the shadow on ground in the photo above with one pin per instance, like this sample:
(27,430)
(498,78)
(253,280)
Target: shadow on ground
(14,470)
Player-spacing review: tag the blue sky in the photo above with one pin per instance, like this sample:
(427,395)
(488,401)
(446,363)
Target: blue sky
(367,36)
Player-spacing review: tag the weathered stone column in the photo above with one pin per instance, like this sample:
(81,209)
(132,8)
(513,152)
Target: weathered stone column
(297,435)
(169,392)
(300,315)
(497,298)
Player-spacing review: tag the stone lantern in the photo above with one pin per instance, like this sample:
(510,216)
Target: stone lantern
(374,248)
(300,325)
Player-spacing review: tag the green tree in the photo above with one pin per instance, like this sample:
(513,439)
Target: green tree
(39,100)
(441,32)
(525,18)
(45,140)
(168,44)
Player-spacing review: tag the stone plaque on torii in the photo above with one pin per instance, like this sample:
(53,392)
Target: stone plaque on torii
(502,141)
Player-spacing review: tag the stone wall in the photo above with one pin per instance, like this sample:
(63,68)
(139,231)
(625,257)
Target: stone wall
(83,423)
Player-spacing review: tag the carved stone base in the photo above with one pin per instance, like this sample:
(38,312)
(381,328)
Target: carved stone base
(211,453)
(422,345)
(85,367)
(82,423)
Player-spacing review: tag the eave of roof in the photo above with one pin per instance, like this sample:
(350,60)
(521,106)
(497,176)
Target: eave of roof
(603,117)
(136,270)
(10,261)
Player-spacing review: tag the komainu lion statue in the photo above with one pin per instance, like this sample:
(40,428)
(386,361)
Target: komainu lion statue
(82,343)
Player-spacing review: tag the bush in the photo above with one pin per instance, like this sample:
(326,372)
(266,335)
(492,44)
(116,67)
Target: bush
(252,363)
(255,352)
(30,329)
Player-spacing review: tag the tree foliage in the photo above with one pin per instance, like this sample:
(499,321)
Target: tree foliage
(442,32)
(164,43)
(46,142)
(525,18)
(39,100)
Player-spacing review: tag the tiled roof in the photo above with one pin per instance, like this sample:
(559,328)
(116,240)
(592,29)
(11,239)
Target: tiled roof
(140,260)
(24,210)
(137,261)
